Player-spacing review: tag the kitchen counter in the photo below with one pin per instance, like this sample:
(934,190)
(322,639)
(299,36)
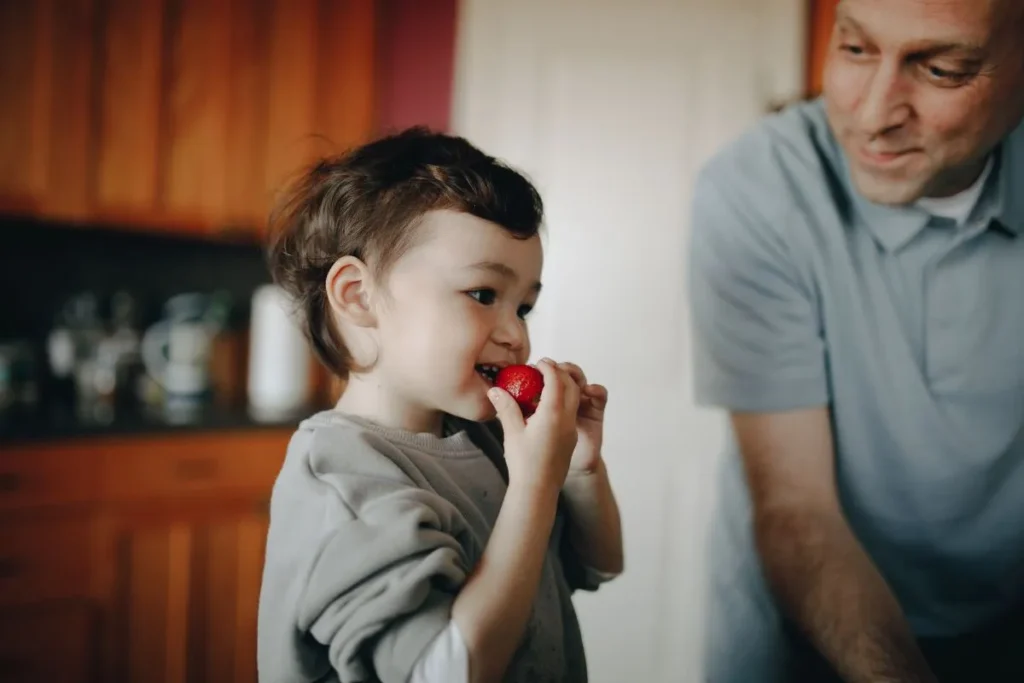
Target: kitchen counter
(62,422)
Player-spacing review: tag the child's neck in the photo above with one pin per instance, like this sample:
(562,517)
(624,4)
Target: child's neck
(368,397)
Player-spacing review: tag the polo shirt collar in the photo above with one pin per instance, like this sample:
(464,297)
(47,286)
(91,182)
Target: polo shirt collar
(893,227)
(1009,204)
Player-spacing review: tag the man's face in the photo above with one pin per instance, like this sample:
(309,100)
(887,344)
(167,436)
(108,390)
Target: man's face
(918,92)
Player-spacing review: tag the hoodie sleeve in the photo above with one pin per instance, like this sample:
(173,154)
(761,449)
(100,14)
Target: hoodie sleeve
(377,584)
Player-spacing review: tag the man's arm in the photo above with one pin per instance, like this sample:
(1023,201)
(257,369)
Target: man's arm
(817,569)
(760,352)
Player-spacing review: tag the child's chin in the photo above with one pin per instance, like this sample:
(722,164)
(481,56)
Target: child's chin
(481,412)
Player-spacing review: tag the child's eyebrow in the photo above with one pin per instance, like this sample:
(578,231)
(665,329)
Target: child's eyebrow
(501,270)
(496,268)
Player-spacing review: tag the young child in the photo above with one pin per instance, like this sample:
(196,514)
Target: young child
(413,538)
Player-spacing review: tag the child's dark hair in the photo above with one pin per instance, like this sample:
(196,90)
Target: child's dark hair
(367,203)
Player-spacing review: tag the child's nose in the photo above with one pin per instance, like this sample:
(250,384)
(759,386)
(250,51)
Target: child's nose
(511,333)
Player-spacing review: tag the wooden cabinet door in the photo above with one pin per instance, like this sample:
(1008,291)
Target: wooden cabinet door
(255,91)
(182,115)
(55,644)
(187,590)
(47,557)
(38,56)
(321,92)
(21,103)
(129,95)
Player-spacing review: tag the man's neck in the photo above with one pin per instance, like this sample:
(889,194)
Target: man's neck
(960,180)
(958,206)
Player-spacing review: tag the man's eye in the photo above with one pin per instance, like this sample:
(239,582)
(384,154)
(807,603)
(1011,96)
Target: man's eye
(855,50)
(947,77)
(484,296)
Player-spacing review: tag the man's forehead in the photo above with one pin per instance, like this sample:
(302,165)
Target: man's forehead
(972,21)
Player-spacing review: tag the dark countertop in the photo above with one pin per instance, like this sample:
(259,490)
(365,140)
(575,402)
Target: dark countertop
(54,423)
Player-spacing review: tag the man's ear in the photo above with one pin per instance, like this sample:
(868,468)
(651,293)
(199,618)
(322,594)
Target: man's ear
(348,291)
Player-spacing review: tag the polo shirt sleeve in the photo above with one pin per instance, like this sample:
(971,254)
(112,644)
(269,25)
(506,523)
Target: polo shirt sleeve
(757,338)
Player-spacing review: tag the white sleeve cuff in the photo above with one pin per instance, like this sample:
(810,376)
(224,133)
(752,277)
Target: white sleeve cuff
(446,659)
(597,576)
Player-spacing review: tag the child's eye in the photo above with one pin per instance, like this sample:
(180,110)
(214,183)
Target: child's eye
(484,296)
(524,311)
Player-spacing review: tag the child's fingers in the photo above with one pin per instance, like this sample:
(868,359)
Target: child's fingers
(593,401)
(508,411)
(573,391)
(553,393)
(576,373)
(597,395)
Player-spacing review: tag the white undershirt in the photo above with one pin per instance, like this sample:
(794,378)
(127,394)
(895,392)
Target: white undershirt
(959,206)
(446,659)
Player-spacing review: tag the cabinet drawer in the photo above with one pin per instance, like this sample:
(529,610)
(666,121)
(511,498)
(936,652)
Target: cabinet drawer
(196,465)
(53,645)
(45,476)
(44,559)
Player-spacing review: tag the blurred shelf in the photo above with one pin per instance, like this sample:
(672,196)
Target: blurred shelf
(64,423)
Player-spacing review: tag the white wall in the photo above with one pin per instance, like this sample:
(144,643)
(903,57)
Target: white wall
(611,106)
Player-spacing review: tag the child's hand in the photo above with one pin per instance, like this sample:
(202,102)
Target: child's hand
(538,452)
(589,421)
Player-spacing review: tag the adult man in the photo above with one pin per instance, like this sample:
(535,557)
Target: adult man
(858,300)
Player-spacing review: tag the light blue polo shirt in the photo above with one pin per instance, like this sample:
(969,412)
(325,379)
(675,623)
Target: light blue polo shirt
(909,327)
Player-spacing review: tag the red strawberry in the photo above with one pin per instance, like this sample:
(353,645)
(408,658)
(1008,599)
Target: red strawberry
(524,383)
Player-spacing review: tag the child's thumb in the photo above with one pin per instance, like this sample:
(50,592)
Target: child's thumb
(509,413)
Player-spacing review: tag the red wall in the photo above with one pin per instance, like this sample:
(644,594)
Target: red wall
(416,62)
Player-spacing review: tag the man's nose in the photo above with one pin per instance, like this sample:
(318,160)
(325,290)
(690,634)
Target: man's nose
(885,102)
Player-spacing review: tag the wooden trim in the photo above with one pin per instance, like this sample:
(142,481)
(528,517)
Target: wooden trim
(822,15)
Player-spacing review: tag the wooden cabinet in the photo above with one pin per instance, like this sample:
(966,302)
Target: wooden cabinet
(53,644)
(33,572)
(822,14)
(148,570)
(176,114)
(188,587)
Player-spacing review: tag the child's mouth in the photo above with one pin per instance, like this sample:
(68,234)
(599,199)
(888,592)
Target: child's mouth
(488,372)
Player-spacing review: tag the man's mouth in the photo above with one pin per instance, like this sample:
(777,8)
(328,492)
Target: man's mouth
(884,157)
(488,372)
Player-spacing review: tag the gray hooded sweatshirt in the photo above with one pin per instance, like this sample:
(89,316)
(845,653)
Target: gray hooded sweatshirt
(372,533)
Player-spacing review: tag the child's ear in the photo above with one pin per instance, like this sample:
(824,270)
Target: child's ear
(348,291)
